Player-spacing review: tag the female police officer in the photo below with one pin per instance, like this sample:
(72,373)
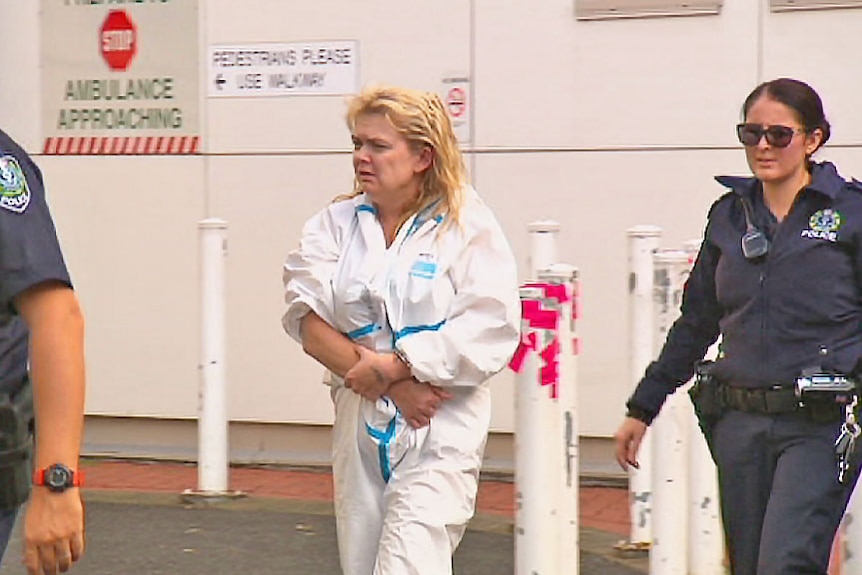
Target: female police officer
(779,276)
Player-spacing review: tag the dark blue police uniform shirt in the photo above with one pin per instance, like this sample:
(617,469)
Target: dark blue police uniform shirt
(29,253)
(797,307)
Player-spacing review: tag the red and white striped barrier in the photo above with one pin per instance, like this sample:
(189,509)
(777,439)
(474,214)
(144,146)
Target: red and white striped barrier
(121,145)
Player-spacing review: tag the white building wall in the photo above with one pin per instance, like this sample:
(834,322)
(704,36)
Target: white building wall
(601,125)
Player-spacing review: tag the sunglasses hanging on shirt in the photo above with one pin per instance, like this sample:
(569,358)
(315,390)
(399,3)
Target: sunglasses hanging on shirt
(755,244)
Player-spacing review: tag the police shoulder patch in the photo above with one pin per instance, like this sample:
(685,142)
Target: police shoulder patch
(14,191)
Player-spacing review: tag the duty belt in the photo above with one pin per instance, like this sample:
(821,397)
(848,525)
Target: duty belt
(777,400)
(758,400)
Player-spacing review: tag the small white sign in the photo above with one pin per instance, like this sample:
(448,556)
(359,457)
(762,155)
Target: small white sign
(278,69)
(455,93)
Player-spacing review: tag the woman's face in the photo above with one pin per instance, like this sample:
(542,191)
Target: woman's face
(385,164)
(772,164)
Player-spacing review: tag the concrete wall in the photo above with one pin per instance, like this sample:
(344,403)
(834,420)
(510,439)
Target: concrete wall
(601,125)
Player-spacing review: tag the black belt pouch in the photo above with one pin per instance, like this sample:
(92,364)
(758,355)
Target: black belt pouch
(706,396)
(16,440)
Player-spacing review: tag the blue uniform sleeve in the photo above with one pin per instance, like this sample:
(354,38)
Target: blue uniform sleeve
(688,338)
(29,250)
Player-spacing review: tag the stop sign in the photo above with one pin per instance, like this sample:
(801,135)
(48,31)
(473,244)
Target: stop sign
(118,40)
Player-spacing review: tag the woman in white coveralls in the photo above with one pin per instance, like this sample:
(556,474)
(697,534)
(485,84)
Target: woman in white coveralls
(406,290)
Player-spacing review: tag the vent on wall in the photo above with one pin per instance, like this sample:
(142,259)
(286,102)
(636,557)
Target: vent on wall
(787,5)
(609,9)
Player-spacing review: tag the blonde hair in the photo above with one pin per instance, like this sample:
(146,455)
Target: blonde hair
(422,119)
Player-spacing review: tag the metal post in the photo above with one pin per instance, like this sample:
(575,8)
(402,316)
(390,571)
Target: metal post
(705,535)
(536,545)
(543,246)
(668,555)
(850,545)
(212,421)
(706,538)
(643,241)
(561,294)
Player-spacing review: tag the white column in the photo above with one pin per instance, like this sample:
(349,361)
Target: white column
(642,242)
(543,246)
(212,418)
(561,295)
(668,554)
(536,426)
(706,538)
(705,534)
(851,535)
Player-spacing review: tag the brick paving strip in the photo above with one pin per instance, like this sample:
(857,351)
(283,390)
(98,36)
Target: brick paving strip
(601,508)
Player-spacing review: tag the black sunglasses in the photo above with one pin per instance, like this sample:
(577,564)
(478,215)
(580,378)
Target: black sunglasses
(777,136)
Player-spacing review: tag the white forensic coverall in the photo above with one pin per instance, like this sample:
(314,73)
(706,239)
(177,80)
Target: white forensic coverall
(448,300)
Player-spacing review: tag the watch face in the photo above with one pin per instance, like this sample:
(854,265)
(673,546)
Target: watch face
(57,477)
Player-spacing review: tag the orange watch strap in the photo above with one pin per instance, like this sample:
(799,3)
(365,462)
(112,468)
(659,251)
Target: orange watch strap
(39,477)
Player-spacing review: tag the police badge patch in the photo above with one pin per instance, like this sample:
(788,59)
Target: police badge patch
(823,225)
(14,192)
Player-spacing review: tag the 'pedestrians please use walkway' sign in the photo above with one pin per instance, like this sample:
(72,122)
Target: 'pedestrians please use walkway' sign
(283,69)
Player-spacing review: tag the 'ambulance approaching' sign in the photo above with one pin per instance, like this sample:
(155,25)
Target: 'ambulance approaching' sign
(283,69)
(123,80)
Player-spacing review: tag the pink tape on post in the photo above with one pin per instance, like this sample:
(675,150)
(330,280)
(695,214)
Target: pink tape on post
(557,292)
(550,374)
(537,317)
(576,304)
(552,291)
(527,344)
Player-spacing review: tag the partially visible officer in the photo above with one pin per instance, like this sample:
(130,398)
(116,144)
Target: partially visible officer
(779,277)
(41,344)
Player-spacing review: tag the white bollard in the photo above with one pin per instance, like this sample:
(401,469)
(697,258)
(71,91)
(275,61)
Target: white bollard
(850,537)
(536,424)
(543,246)
(706,538)
(668,554)
(705,534)
(212,420)
(643,241)
(561,295)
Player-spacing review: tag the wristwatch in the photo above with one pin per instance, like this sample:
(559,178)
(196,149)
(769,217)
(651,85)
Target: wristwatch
(403,357)
(58,478)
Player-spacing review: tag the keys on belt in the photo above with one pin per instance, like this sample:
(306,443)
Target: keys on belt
(845,443)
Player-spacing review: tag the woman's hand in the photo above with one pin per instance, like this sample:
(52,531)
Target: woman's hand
(628,439)
(418,401)
(368,377)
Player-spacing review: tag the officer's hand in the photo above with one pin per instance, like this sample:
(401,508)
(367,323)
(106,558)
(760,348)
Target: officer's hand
(418,401)
(53,531)
(367,377)
(628,440)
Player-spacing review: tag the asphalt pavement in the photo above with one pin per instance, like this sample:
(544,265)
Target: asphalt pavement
(145,533)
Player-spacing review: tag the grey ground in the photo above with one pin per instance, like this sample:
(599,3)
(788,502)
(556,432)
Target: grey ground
(158,534)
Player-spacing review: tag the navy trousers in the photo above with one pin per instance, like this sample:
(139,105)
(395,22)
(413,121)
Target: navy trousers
(781,502)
